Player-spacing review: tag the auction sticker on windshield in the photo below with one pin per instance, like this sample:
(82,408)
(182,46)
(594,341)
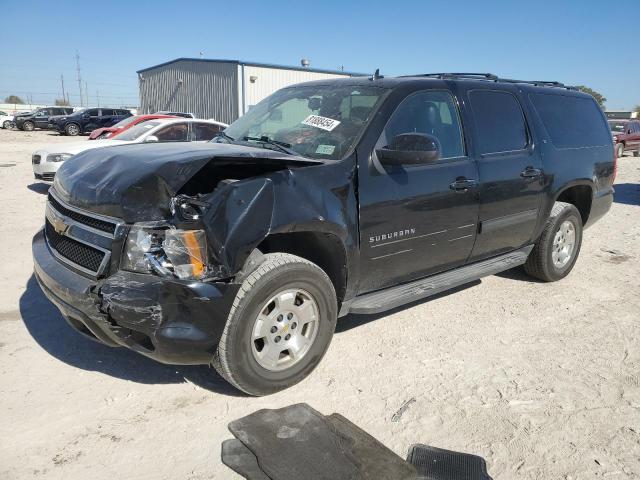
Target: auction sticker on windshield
(324,123)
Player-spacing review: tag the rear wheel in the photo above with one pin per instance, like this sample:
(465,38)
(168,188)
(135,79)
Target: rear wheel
(28,126)
(637,152)
(7,124)
(557,249)
(279,327)
(72,129)
(619,150)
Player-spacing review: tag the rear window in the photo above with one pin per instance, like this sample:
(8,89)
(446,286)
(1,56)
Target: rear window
(572,122)
(499,121)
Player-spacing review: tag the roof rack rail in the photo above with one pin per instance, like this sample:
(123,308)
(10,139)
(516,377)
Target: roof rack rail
(493,78)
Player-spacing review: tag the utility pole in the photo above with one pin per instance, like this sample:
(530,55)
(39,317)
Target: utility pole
(64,97)
(79,77)
(86,93)
(98,97)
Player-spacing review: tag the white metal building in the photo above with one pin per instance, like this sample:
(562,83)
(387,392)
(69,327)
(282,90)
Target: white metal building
(218,89)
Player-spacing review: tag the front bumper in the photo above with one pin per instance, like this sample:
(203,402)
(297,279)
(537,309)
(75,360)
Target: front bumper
(43,169)
(171,321)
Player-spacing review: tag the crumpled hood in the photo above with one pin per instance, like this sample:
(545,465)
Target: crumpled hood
(136,182)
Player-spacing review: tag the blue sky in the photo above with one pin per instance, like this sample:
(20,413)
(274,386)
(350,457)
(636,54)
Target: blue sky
(575,42)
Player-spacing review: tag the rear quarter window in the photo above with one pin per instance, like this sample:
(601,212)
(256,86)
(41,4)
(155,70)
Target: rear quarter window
(572,122)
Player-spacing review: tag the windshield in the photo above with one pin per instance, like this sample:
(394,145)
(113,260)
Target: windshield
(135,132)
(617,127)
(125,122)
(316,121)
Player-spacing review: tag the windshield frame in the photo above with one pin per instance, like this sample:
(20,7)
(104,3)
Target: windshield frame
(384,93)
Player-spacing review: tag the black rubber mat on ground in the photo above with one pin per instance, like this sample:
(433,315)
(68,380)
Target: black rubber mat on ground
(241,460)
(294,443)
(438,464)
(373,459)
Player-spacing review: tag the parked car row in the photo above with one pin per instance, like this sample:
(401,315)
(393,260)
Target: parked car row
(139,129)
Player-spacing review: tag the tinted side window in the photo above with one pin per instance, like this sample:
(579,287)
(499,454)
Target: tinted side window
(430,112)
(204,131)
(572,122)
(173,133)
(499,121)
(107,111)
(94,112)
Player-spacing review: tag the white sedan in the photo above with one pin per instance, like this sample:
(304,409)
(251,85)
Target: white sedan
(6,120)
(46,161)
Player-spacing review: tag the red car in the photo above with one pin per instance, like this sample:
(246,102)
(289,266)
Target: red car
(127,123)
(626,135)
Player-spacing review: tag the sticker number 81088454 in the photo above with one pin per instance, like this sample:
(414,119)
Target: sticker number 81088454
(324,123)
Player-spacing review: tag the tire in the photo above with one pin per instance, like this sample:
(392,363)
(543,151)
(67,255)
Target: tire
(637,152)
(28,126)
(6,125)
(545,260)
(73,129)
(619,150)
(237,356)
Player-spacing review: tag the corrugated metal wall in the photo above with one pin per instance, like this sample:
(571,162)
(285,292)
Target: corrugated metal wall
(208,89)
(268,80)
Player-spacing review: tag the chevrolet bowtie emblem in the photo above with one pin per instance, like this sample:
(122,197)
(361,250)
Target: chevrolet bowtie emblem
(59,226)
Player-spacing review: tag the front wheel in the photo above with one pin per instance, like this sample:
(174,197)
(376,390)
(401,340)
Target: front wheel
(557,249)
(7,125)
(279,327)
(28,126)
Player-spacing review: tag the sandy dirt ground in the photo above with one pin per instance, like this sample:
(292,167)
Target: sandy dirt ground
(542,380)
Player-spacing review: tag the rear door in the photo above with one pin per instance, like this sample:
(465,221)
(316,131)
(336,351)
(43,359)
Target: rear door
(417,220)
(510,170)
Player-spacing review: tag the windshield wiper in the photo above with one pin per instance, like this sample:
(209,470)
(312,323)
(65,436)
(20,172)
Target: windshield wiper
(282,146)
(225,136)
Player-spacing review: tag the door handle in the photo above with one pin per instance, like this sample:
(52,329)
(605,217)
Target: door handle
(461,185)
(531,172)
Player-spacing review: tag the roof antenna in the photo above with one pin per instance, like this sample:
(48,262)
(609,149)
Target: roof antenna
(376,75)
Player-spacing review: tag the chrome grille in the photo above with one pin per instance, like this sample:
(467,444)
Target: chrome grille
(80,238)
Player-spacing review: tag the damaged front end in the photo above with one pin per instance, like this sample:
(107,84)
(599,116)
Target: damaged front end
(191,225)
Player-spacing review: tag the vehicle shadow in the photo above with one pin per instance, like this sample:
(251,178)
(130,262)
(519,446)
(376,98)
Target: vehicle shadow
(49,329)
(518,273)
(40,187)
(627,193)
(353,320)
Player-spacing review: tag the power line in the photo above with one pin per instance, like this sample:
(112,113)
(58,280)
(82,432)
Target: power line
(79,77)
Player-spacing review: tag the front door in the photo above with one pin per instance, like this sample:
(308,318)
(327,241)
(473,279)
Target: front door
(42,118)
(422,219)
(510,169)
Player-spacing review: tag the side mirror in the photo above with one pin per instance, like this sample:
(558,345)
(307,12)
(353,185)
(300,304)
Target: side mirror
(410,149)
(86,115)
(151,139)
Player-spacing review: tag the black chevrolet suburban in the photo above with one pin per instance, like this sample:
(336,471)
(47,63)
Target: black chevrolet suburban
(87,120)
(327,198)
(39,118)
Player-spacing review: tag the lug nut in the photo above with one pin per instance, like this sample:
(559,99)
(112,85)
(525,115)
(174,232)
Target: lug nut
(280,317)
(290,316)
(294,325)
(277,339)
(288,336)
(274,329)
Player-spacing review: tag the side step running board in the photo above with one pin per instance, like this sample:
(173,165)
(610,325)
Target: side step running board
(393,297)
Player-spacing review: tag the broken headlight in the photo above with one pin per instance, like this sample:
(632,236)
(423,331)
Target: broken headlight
(167,252)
